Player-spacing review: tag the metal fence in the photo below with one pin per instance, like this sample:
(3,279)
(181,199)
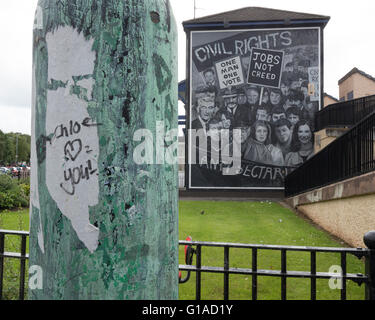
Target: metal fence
(22,257)
(344,114)
(350,155)
(195,248)
(283,274)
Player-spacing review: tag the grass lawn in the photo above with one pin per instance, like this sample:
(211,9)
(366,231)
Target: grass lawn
(258,223)
(235,222)
(14,219)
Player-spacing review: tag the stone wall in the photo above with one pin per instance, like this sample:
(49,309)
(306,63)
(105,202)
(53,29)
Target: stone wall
(345,209)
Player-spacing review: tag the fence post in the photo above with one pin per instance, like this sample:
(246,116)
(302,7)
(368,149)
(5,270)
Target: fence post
(369,240)
(2,249)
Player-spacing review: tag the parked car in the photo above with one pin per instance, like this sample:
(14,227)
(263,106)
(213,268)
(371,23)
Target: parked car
(4,170)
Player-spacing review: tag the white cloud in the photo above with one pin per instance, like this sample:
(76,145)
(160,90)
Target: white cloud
(16,20)
(15,119)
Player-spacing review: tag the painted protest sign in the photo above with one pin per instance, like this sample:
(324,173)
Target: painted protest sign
(314,80)
(230,72)
(265,67)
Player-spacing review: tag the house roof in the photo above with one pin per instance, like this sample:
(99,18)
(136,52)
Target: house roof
(329,96)
(353,71)
(257,14)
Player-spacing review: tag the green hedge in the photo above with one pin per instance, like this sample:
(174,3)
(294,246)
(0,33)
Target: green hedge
(13,193)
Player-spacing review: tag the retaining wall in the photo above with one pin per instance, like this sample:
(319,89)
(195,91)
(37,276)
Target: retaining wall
(345,209)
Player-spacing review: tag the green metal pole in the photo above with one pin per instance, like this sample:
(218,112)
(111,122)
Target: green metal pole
(103,216)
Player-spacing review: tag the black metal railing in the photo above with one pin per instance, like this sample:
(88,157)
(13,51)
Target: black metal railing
(348,156)
(181,120)
(22,256)
(195,248)
(284,273)
(344,114)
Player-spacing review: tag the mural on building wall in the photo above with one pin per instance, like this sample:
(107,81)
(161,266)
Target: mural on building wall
(254,95)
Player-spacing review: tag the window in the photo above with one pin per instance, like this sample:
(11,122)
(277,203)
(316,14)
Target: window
(350,95)
(342,99)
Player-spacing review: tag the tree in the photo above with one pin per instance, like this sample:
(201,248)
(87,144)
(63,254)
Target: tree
(13,147)
(24,148)
(9,157)
(2,147)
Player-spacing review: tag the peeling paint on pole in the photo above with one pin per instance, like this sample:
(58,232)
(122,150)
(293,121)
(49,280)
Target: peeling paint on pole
(103,226)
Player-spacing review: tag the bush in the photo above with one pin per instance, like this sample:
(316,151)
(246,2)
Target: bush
(6,201)
(13,195)
(25,188)
(24,181)
(6,183)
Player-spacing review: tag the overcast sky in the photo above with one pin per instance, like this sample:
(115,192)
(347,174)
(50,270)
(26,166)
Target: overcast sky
(349,41)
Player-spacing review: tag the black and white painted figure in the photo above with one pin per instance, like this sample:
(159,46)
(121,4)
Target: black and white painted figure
(283,134)
(245,127)
(209,77)
(266,96)
(205,108)
(214,141)
(262,112)
(293,114)
(253,95)
(302,144)
(263,134)
(284,87)
(232,111)
(259,148)
(275,97)
(277,113)
(296,98)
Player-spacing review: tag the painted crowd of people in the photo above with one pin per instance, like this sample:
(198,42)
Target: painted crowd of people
(276,124)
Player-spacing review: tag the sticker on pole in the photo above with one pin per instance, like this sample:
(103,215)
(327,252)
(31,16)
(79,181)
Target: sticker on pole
(230,72)
(265,67)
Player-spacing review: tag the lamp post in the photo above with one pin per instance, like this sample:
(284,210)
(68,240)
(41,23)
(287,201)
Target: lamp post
(17,148)
(103,225)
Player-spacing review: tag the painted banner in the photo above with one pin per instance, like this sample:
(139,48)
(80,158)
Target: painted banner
(264,83)
(230,72)
(265,67)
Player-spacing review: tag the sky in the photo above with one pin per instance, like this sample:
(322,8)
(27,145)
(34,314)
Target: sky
(349,41)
